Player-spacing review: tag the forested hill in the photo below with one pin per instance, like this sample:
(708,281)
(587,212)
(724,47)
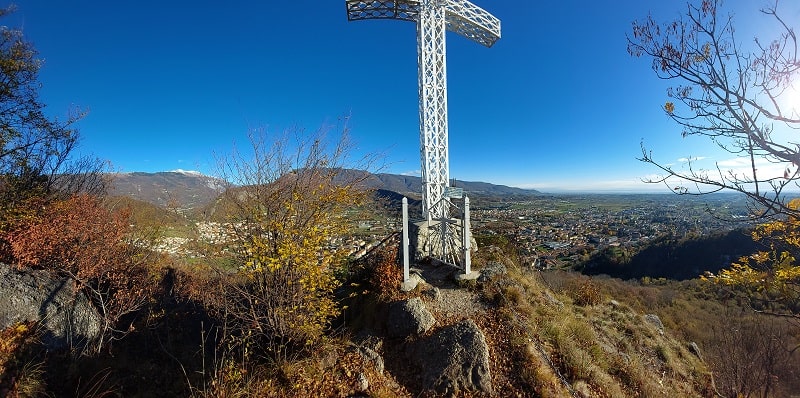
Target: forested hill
(673,258)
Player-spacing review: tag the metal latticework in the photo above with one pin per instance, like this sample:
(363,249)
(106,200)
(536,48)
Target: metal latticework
(472,22)
(434,18)
(404,10)
(462,17)
(431,29)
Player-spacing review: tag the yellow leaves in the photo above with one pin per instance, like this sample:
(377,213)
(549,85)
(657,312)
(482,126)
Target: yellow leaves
(774,270)
(760,257)
(287,233)
(669,107)
(788,274)
(294,251)
(21,328)
(12,339)
(739,274)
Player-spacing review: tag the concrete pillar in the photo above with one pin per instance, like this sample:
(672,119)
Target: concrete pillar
(406,275)
(466,243)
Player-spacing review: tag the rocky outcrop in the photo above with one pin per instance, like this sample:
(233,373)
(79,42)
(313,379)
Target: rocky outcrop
(491,271)
(406,318)
(414,279)
(654,320)
(453,359)
(370,356)
(65,316)
(694,349)
(432,293)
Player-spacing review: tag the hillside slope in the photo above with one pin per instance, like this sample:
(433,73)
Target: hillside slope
(182,190)
(542,342)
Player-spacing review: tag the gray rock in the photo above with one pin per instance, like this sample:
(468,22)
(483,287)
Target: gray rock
(552,299)
(329,360)
(694,349)
(405,318)
(372,357)
(454,359)
(66,317)
(432,292)
(365,338)
(655,321)
(363,383)
(491,271)
(466,280)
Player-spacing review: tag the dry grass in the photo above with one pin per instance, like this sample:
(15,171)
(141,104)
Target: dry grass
(335,370)
(580,343)
(21,369)
(738,346)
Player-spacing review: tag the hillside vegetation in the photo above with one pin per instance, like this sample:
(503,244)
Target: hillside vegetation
(670,257)
(281,278)
(549,333)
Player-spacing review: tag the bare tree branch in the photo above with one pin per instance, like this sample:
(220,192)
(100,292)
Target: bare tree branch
(730,94)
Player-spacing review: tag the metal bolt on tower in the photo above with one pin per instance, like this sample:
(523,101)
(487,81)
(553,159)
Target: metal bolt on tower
(433,19)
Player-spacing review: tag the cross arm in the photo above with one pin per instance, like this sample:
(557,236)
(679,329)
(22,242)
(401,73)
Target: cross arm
(406,10)
(472,22)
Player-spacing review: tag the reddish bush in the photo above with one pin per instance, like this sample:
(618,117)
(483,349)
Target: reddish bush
(386,276)
(82,239)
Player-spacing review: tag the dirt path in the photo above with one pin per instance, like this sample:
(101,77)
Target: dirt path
(448,302)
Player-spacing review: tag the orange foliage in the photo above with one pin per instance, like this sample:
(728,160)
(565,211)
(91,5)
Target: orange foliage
(80,238)
(387,276)
(18,374)
(78,235)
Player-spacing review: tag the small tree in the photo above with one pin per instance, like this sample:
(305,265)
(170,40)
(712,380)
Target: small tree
(36,151)
(736,97)
(290,199)
(732,95)
(750,356)
(770,278)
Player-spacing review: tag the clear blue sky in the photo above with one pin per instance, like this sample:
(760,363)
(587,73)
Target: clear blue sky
(556,104)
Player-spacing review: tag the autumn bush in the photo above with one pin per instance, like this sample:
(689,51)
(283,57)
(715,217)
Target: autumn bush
(585,292)
(769,278)
(288,207)
(82,239)
(386,275)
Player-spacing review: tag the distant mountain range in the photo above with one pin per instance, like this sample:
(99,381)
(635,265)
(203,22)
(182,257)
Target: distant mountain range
(191,190)
(413,185)
(180,189)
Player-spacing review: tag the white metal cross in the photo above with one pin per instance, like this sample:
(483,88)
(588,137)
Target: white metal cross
(433,19)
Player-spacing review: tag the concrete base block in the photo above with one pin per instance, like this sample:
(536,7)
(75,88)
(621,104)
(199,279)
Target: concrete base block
(411,283)
(468,277)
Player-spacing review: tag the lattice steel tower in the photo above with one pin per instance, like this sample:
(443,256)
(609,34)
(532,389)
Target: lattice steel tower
(433,19)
